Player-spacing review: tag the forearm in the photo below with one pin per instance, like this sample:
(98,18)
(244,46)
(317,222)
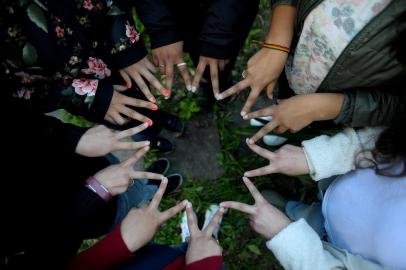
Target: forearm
(282,25)
(325,106)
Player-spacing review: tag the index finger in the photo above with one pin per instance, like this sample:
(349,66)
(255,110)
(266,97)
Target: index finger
(253,96)
(263,131)
(253,190)
(171,212)
(184,72)
(242,207)
(214,222)
(191,220)
(156,200)
(131,131)
(134,158)
(199,74)
(269,111)
(261,151)
(235,89)
(214,75)
(169,75)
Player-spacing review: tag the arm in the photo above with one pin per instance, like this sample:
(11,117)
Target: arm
(327,156)
(363,107)
(299,247)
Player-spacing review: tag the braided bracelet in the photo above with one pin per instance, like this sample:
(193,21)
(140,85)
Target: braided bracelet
(274,47)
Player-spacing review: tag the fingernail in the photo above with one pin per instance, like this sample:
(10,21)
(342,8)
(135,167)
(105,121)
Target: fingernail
(128,85)
(188,205)
(194,88)
(154,107)
(251,141)
(145,124)
(243,114)
(166,92)
(247,140)
(185,202)
(149,122)
(222,210)
(147,143)
(219,97)
(189,87)
(165,180)
(153,100)
(246,174)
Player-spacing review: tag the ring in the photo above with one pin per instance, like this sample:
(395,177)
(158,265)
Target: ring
(244,74)
(161,65)
(131,183)
(181,64)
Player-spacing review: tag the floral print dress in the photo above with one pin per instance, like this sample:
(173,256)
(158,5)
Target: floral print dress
(327,31)
(62,53)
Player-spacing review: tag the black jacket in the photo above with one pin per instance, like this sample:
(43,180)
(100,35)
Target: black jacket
(219,28)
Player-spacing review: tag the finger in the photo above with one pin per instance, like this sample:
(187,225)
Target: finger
(155,60)
(143,87)
(222,65)
(156,200)
(214,75)
(139,103)
(119,119)
(253,190)
(184,72)
(134,158)
(126,78)
(214,222)
(198,75)
(152,80)
(130,132)
(252,98)
(133,114)
(171,212)
(191,220)
(146,175)
(269,111)
(235,89)
(120,87)
(150,66)
(242,207)
(124,146)
(260,171)
(263,131)
(109,119)
(261,151)
(269,90)
(169,76)
(281,129)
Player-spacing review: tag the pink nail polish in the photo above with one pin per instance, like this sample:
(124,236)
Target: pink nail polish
(153,100)
(128,85)
(166,92)
(154,107)
(149,122)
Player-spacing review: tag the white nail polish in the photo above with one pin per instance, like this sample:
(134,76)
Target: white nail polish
(243,114)
(222,210)
(189,204)
(165,180)
(189,87)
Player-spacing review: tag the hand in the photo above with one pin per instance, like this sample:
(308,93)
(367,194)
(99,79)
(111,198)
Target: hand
(288,159)
(215,65)
(116,178)
(297,112)
(266,219)
(166,57)
(140,225)
(140,70)
(119,107)
(202,244)
(98,141)
(263,70)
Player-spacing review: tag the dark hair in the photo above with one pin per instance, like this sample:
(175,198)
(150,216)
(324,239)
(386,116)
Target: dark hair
(390,150)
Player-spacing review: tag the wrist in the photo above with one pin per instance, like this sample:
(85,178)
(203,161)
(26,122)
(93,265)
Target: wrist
(98,188)
(331,105)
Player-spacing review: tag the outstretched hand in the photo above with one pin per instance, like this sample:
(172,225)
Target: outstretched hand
(202,244)
(98,141)
(140,225)
(215,66)
(265,219)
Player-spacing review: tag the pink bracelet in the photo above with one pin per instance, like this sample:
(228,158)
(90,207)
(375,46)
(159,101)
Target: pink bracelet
(98,188)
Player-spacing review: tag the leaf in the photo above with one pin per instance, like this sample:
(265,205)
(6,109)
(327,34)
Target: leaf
(37,16)
(254,249)
(89,100)
(30,55)
(114,11)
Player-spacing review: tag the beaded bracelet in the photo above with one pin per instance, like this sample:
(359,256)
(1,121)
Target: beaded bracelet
(274,47)
(98,188)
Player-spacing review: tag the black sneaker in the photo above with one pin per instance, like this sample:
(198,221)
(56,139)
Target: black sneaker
(174,182)
(162,145)
(174,124)
(161,166)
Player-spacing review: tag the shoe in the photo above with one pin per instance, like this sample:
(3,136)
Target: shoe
(185,233)
(275,199)
(161,166)
(162,145)
(174,182)
(173,124)
(209,216)
(274,140)
(261,121)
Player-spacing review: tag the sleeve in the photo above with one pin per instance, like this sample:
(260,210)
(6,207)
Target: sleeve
(212,263)
(224,21)
(298,247)
(106,254)
(328,156)
(127,46)
(363,107)
(283,2)
(159,20)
